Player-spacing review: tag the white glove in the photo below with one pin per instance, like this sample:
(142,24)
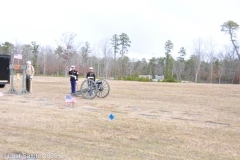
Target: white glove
(31,77)
(75,77)
(70,69)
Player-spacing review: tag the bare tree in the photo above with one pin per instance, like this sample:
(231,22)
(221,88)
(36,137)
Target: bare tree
(199,53)
(95,58)
(210,53)
(66,49)
(46,60)
(132,66)
(84,53)
(18,49)
(106,49)
(26,52)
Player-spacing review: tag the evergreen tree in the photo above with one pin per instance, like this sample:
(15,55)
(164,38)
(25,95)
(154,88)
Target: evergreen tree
(169,60)
(34,48)
(115,43)
(230,27)
(125,43)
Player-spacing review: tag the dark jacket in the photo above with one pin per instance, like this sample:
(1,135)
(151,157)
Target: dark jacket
(91,75)
(73,75)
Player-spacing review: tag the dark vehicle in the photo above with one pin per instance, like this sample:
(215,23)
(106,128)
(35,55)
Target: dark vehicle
(4,69)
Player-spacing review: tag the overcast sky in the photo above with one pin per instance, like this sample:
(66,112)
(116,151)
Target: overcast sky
(148,23)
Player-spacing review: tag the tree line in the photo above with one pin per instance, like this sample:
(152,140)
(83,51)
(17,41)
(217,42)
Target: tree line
(109,58)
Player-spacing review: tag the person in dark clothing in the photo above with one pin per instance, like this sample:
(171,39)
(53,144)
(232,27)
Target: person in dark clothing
(91,74)
(73,78)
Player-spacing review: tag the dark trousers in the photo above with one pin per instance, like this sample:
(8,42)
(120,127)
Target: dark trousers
(28,83)
(73,86)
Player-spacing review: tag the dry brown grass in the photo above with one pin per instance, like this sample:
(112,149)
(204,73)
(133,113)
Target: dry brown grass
(152,121)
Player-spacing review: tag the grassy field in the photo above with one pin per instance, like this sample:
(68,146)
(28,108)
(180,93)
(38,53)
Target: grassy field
(169,121)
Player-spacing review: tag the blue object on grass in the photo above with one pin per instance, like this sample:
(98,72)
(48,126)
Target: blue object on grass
(111,116)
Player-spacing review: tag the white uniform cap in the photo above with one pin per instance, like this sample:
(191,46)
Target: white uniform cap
(28,62)
(91,68)
(72,66)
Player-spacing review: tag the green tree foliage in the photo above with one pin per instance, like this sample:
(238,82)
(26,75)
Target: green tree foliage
(34,48)
(182,54)
(125,43)
(115,43)
(7,48)
(144,66)
(230,27)
(180,63)
(217,67)
(189,68)
(169,60)
(152,66)
(125,62)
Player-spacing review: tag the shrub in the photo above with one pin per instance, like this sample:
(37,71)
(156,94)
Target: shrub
(133,78)
(119,78)
(170,80)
